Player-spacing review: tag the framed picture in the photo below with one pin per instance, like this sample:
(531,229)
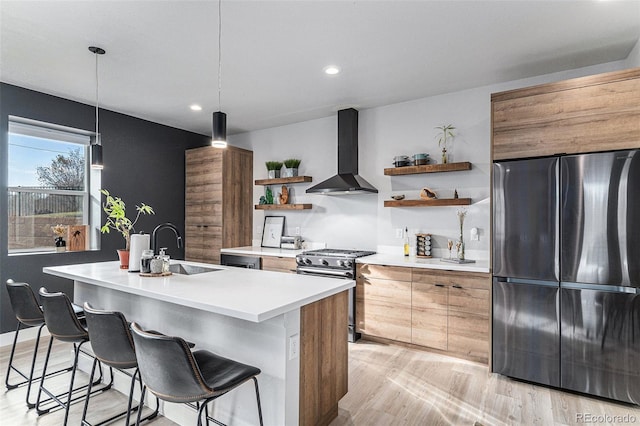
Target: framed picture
(272,231)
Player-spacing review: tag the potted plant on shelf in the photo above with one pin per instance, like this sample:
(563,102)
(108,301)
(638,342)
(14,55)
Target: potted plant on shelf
(115,209)
(273,169)
(444,136)
(291,167)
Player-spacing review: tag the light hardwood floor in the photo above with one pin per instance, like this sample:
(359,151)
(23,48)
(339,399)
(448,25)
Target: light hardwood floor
(388,385)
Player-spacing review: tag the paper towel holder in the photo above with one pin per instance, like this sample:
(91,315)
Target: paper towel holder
(139,243)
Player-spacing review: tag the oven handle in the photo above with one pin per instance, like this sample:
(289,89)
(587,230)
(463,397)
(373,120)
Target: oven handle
(324,273)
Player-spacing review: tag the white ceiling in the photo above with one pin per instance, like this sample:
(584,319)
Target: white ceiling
(162,56)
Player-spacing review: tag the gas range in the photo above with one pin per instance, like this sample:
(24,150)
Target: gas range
(330,259)
(334,263)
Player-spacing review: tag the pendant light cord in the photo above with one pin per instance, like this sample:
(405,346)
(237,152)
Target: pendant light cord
(96,55)
(219,54)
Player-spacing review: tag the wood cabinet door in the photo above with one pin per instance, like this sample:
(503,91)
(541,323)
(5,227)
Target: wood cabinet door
(587,114)
(203,243)
(279,264)
(469,320)
(203,186)
(429,315)
(383,308)
(469,335)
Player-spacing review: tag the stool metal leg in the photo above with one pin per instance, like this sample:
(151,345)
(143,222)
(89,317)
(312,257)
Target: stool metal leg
(255,381)
(28,379)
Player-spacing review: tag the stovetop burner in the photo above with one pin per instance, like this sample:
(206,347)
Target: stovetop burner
(351,253)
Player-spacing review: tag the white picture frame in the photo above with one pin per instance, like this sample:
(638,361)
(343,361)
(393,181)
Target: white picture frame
(272,231)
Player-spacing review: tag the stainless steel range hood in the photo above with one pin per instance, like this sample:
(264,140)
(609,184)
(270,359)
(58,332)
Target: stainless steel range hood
(347,181)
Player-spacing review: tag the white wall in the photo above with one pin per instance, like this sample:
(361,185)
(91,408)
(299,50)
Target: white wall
(407,128)
(633,60)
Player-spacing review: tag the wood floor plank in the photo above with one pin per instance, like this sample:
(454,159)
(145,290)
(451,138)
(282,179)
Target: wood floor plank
(388,385)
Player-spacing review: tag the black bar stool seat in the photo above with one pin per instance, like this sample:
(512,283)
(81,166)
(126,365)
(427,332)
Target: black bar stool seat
(175,374)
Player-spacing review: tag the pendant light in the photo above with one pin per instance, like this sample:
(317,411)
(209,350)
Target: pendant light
(219,136)
(96,146)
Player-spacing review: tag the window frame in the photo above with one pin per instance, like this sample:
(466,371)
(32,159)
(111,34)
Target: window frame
(33,128)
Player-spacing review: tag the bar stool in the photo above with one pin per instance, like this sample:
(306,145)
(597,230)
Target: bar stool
(175,374)
(29,314)
(112,345)
(65,326)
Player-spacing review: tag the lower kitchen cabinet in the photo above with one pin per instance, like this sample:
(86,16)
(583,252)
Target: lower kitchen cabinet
(443,310)
(383,302)
(279,264)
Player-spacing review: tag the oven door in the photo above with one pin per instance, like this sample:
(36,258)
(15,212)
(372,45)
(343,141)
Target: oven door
(346,274)
(352,335)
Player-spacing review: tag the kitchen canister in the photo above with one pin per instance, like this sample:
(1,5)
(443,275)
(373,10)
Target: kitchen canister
(145,261)
(139,243)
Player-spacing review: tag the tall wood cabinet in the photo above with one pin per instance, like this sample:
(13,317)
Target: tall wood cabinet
(218,201)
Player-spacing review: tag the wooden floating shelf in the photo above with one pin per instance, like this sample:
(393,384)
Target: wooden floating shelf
(283,206)
(280,181)
(428,168)
(428,203)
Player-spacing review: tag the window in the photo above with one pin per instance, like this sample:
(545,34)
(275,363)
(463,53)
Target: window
(49,184)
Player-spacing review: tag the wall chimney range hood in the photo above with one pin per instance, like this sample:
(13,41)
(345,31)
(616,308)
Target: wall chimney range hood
(347,181)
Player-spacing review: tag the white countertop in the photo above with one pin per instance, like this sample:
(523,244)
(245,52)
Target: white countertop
(247,294)
(262,251)
(417,262)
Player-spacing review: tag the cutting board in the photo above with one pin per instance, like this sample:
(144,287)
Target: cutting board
(77,237)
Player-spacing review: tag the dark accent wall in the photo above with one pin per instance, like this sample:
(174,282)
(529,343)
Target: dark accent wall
(143,162)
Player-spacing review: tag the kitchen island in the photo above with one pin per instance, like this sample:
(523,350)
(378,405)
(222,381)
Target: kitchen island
(292,327)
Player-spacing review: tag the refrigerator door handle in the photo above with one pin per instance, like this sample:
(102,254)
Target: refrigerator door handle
(600,287)
(526,281)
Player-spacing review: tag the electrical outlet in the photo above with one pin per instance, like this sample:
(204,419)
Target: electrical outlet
(475,234)
(297,230)
(294,346)
(399,233)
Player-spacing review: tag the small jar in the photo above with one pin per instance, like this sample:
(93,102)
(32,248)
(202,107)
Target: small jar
(156,265)
(145,261)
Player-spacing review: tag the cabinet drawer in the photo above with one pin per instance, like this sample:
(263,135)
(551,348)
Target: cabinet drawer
(397,273)
(472,300)
(278,264)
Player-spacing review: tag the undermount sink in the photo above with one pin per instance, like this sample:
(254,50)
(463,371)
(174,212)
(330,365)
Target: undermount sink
(181,268)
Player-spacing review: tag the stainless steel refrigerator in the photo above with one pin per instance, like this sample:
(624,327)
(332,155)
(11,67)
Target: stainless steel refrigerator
(566,266)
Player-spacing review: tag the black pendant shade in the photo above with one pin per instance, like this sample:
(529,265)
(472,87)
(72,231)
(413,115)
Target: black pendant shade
(219,138)
(96,157)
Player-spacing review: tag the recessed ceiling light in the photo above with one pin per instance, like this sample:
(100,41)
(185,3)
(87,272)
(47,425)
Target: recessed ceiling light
(195,107)
(331,69)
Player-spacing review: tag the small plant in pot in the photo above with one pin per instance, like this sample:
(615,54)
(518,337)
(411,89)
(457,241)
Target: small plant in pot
(115,209)
(444,136)
(291,167)
(273,169)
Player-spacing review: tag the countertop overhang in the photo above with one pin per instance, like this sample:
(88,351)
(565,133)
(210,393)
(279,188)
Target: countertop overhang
(247,294)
